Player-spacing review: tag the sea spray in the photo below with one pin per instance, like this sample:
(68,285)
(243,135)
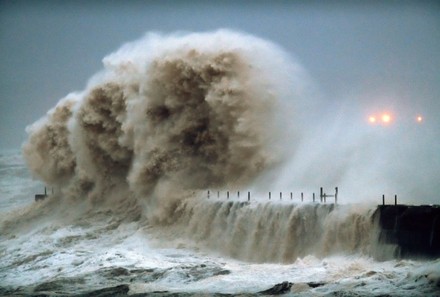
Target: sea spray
(169,114)
(47,151)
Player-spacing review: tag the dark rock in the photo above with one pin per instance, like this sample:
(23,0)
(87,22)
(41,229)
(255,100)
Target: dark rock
(117,291)
(278,289)
(315,285)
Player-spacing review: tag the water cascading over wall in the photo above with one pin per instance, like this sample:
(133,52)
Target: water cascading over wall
(273,232)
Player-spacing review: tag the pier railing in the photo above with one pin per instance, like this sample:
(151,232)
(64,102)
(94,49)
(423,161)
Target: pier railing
(383,199)
(216,194)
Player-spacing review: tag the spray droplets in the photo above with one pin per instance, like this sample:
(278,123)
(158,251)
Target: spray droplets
(190,112)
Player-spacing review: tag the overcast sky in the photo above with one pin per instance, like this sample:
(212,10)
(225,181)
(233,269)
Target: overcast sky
(369,54)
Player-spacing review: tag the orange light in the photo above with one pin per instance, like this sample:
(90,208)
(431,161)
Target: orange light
(419,119)
(372,119)
(386,118)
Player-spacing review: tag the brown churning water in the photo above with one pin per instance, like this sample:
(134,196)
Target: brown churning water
(167,113)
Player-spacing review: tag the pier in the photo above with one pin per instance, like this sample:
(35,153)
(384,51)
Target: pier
(414,229)
(39,197)
(322,195)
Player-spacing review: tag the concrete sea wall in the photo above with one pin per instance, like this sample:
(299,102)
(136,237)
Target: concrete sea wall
(414,229)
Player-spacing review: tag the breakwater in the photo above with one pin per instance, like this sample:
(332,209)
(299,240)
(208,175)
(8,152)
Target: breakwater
(281,231)
(415,230)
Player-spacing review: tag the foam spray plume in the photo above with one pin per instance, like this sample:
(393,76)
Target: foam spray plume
(167,114)
(171,115)
(168,118)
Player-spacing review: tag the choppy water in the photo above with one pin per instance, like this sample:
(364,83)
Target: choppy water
(47,248)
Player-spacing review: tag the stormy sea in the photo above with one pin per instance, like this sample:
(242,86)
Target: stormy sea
(154,181)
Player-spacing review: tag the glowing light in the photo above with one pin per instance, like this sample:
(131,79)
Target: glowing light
(419,119)
(386,118)
(372,119)
(383,118)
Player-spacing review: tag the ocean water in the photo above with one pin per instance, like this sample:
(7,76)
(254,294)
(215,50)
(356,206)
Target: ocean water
(62,248)
(129,159)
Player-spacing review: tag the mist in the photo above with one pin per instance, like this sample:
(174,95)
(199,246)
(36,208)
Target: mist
(356,59)
(220,110)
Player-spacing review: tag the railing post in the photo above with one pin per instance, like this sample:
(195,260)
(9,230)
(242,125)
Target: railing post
(321,196)
(313,197)
(281,195)
(336,195)
(291,196)
(383,199)
(238,194)
(227,194)
(395,199)
(302,196)
(249,196)
(269,195)
(208,194)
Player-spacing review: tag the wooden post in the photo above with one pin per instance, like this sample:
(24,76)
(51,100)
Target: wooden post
(227,195)
(208,194)
(313,197)
(302,196)
(383,199)
(336,195)
(395,199)
(321,196)
(269,195)
(281,195)
(45,192)
(291,196)
(249,196)
(238,194)
(218,194)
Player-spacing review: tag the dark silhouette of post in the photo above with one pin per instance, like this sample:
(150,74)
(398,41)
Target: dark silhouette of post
(208,194)
(321,194)
(269,195)
(249,196)
(336,195)
(383,199)
(39,197)
(227,195)
(313,197)
(238,194)
(291,196)
(395,199)
(302,196)
(281,195)
(218,194)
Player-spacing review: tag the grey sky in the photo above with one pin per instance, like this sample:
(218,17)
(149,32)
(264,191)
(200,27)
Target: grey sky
(385,54)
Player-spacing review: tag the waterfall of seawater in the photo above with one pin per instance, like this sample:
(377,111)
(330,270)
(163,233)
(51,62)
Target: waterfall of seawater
(276,232)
